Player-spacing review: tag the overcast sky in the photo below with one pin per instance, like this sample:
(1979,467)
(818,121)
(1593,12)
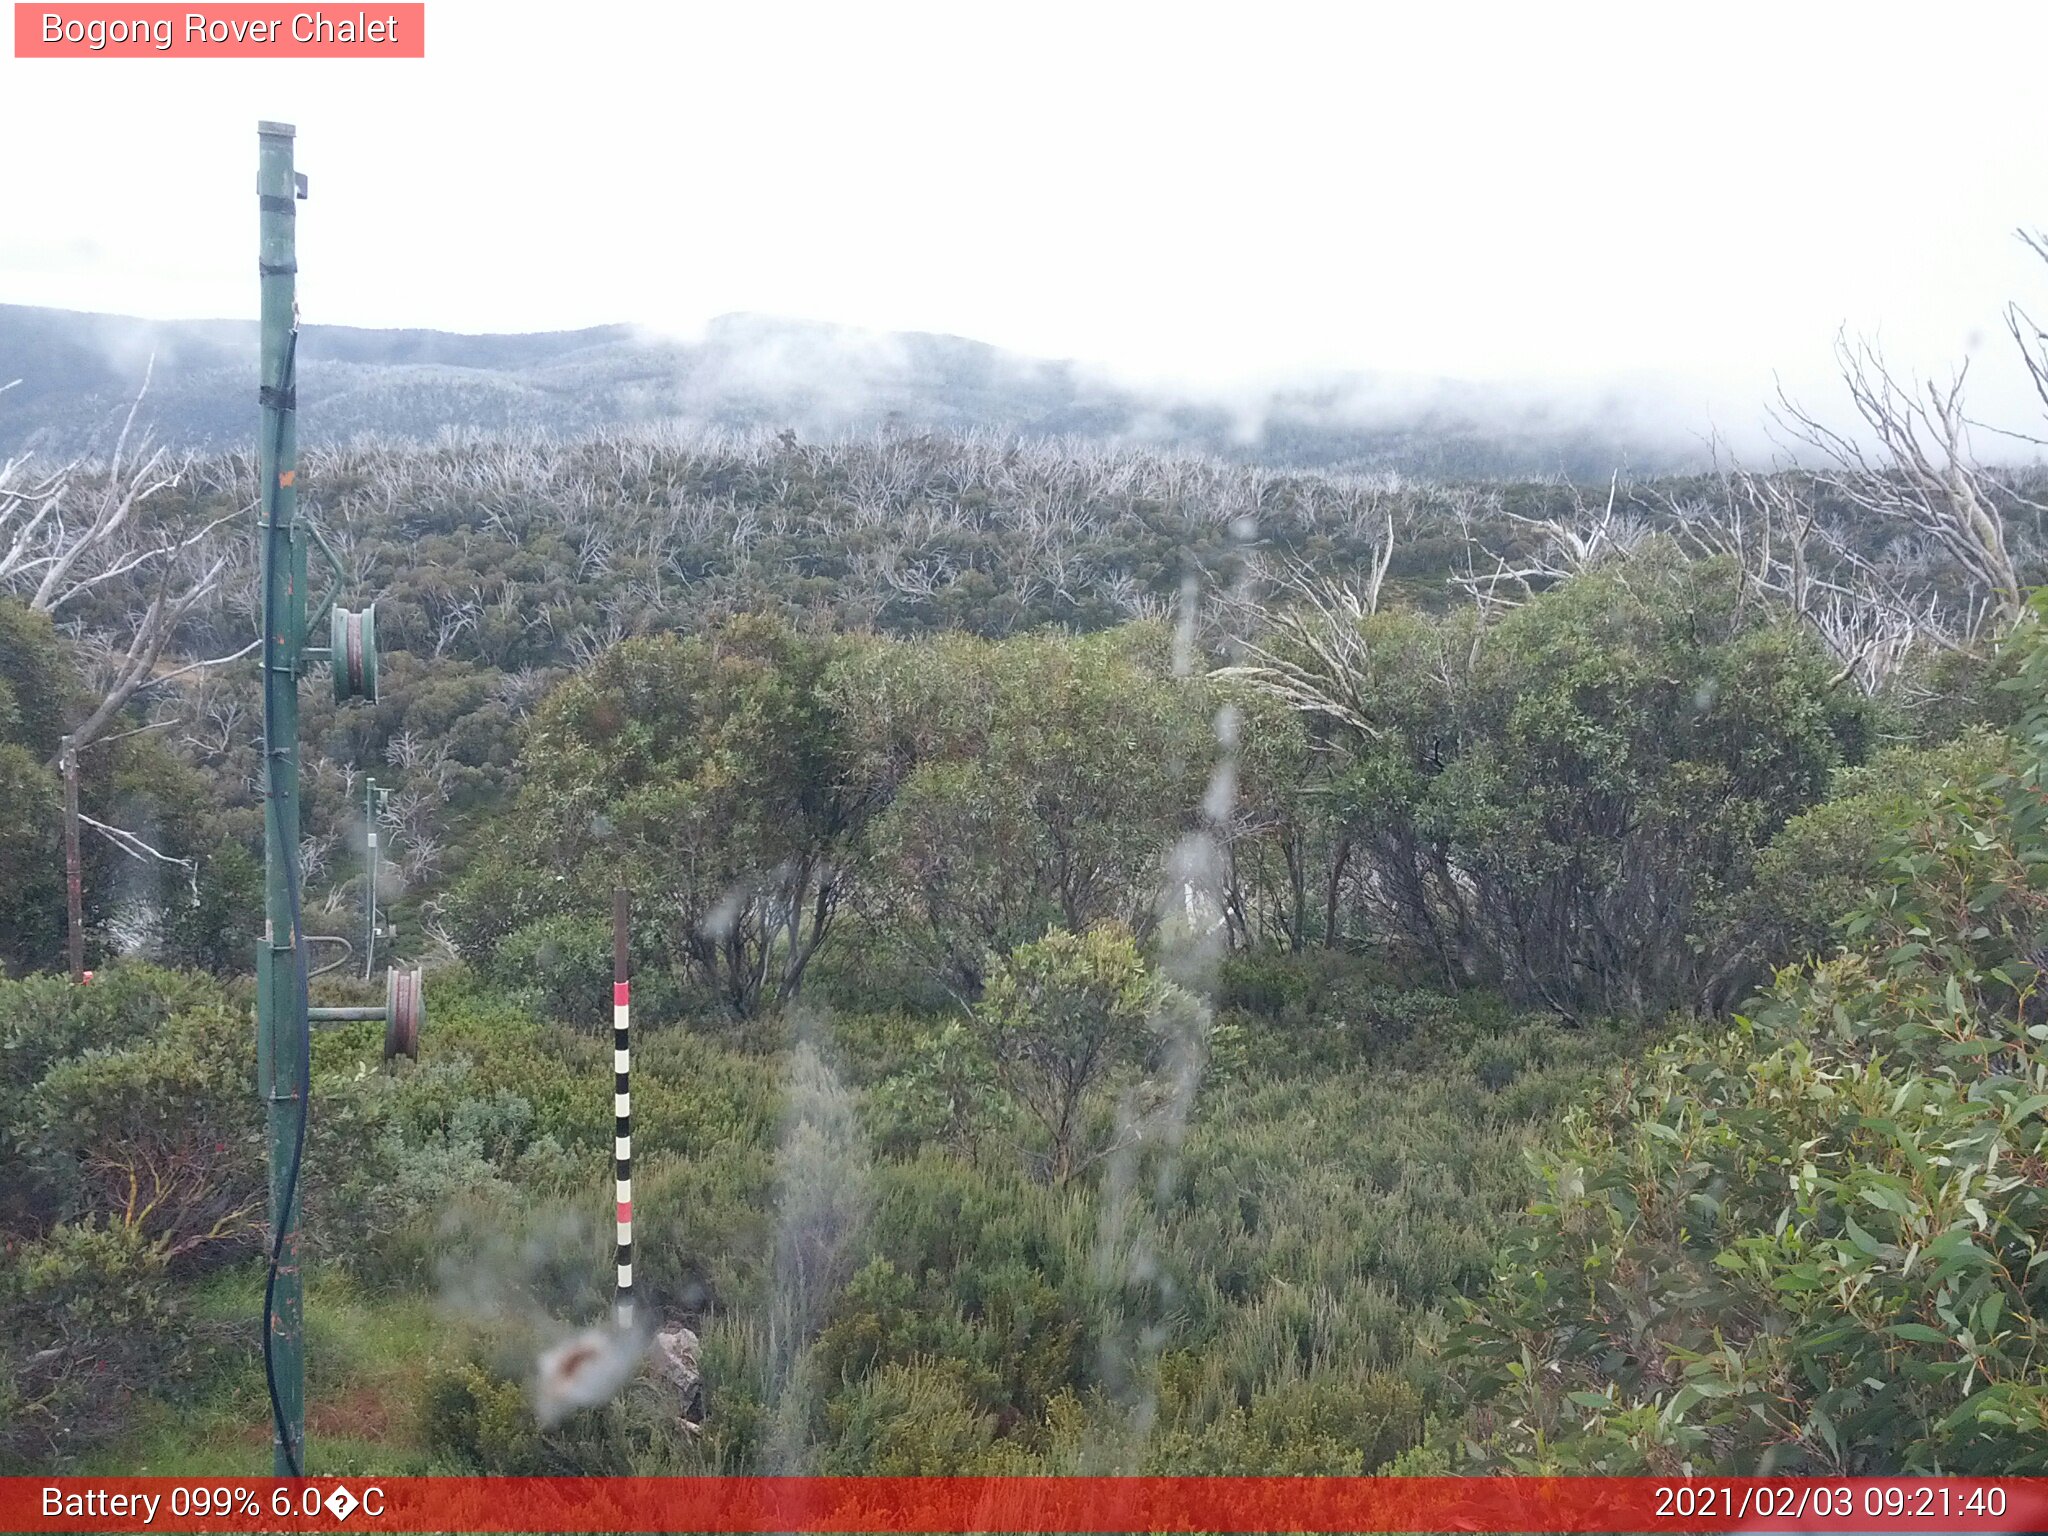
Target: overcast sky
(1214,194)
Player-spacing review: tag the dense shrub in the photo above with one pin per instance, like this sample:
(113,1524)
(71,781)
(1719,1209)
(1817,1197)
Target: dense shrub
(1328,1423)
(564,963)
(1823,863)
(916,1419)
(712,775)
(980,1270)
(1030,783)
(478,1417)
(504,1109)
(88,1319)
(704,1231)
(1555,802)
(131,1101)
(1813,1243)
(1070,1022)
(1324,1010)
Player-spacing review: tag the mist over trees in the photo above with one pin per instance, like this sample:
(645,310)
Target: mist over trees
(746,372)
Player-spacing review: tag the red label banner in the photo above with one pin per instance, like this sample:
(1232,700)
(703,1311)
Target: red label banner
(224,31)
(1024,1504)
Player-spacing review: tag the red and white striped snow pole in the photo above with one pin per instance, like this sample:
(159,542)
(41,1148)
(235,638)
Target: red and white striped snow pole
(622,1100)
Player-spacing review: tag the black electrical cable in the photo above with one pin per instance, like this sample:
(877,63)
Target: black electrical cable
(271,623)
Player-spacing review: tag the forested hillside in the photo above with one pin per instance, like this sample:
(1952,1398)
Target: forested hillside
(75,374)
(1145,962)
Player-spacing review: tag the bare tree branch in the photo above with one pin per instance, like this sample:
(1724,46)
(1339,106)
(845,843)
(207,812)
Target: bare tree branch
(1923,473)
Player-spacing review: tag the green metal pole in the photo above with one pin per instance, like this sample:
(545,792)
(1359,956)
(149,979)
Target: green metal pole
(281,1023)
(370,827)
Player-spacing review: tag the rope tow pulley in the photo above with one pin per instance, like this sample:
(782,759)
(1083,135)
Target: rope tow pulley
(352,645)
(405,1010)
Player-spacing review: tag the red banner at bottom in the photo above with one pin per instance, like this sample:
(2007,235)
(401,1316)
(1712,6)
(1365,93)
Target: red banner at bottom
(1021,1504)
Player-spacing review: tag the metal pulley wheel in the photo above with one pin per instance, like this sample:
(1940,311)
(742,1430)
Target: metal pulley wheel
(352,652)
(405,1010)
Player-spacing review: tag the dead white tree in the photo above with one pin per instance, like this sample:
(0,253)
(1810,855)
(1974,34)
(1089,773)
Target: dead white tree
(1313,653)
(80,532)
(421,859)
(590,642)
(2031,340)
(142,852)
(454,616)
(520,691)
(922,578)
(1871,617)
(1921,471)
(1565,547)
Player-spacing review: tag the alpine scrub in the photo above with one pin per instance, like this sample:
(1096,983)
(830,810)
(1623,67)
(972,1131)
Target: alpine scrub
(1814,1242)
